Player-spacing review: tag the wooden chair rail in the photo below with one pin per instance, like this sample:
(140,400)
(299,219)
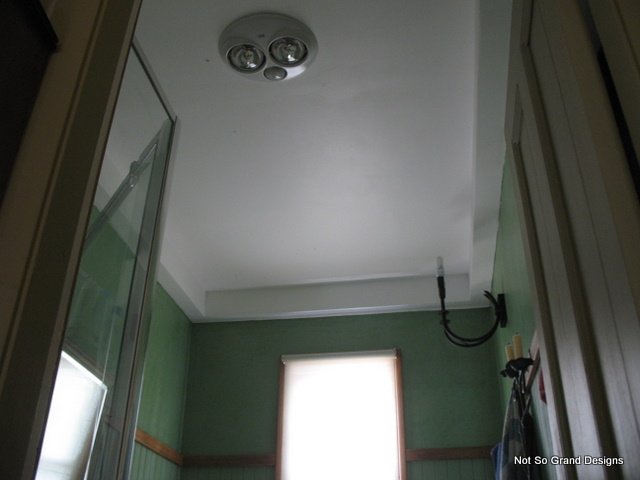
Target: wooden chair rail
(266,460)
(156,446)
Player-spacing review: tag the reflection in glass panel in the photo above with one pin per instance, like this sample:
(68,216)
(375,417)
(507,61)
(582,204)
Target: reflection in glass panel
(105,329)
(77,401)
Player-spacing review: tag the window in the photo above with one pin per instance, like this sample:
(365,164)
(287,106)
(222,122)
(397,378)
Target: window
(77,401)
(341,417)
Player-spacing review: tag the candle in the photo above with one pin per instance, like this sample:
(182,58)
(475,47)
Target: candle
(440,271)
(517,345)
(509,351)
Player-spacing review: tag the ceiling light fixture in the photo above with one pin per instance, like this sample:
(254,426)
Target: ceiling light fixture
(268,47)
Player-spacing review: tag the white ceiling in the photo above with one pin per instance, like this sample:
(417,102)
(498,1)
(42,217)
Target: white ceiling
(335,191)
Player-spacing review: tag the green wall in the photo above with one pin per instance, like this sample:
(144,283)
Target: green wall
(450,393)
(163,387)
(510,277)
(165,371)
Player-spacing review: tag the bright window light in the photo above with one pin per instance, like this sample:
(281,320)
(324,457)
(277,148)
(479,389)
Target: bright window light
(341,417)
(77,401)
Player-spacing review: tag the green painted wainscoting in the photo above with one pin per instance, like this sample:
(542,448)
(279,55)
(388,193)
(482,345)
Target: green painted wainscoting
(163,387)
(451,469)
(148,465)
(229,473)
(437,470)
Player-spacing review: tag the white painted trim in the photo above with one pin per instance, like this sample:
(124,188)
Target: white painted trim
(489,140)
(380,295)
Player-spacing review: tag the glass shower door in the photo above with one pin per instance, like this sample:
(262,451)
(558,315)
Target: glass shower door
(98,379)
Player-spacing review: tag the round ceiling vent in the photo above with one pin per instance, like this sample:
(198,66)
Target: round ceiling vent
(268,47)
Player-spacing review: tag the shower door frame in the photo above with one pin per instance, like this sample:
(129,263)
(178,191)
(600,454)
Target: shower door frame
(144,276)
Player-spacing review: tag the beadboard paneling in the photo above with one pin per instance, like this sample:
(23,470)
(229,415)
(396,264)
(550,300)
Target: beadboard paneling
(477,469)
(229,473)
(148,465)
